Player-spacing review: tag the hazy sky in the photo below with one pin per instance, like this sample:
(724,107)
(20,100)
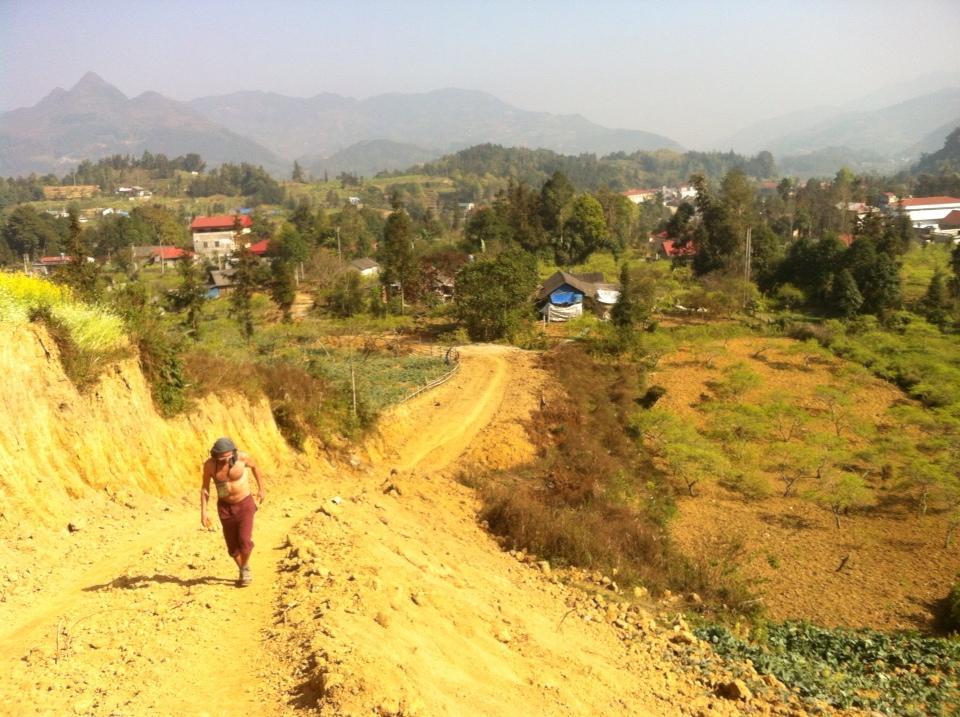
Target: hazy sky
(694,71)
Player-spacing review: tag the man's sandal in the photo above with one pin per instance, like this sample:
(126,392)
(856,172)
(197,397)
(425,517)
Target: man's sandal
(245,577)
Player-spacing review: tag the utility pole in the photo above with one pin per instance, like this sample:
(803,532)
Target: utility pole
(748,251)
(339,255)
(748,255)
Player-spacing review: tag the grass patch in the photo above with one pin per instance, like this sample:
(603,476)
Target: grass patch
(88,337)
(919,264)
(382,379)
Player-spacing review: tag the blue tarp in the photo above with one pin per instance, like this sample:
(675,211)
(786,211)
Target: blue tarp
(564,296)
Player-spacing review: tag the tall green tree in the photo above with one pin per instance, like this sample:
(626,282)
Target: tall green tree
(81,274)
(584,232)
(289,245)
(492,295)
(399,266)
(246,282)
(844,295)
(555,196)
(955,266)
(876,274)
(622,219)
(190,296)
(297,174)
(283,286)
(486,231)
(27,232)
(520,205)
(714,236)
(632,308)
(739,201)
(346,296)
(935,304)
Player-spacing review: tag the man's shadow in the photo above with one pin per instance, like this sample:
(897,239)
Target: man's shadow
(135,582)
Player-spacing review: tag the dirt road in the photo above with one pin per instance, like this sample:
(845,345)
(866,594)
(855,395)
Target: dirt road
(375,592)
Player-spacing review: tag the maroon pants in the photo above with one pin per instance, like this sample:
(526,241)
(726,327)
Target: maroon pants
(237,522)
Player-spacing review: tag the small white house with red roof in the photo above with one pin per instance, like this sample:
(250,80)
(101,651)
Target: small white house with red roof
(216,235)
(928,211)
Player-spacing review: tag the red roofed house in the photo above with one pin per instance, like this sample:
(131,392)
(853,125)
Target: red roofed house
(950,224)
(171,253)
(214,236)
(928,211)
(665,248)
(260,248)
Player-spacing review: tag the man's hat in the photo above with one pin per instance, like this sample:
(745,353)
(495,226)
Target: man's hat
(223,445)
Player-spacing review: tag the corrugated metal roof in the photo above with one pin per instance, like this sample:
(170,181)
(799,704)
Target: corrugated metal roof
(220,221)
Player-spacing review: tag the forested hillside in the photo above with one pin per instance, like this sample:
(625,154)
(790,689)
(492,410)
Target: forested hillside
(617,171)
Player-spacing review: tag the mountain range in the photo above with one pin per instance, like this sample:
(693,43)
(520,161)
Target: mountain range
(333,133)
(880,131)
(94,119)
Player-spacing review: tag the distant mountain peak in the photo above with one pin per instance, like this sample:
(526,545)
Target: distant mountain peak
(91,84)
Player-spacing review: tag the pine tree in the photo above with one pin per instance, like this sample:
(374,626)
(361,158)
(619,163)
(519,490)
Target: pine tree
(245,283)
(935,304)
(623,314)
(396,255)
(190,296)
(844,295)
(81,275)
(283,288)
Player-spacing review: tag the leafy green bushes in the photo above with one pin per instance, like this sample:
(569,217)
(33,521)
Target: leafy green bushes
(896,673)
(492,295)
(915,355)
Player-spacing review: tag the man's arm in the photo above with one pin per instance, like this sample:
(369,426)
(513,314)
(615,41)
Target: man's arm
(256,474)
(205,494)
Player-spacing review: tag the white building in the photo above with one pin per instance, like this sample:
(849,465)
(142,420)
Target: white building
(928,211)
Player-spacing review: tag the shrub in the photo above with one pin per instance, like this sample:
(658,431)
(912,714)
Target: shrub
(606,537)
(953,607)
(803,331)
(593,500)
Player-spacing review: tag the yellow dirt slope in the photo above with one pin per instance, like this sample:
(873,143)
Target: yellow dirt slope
(57,445)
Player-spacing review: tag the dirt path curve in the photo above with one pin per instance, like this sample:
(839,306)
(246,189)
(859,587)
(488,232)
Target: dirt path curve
(144,618)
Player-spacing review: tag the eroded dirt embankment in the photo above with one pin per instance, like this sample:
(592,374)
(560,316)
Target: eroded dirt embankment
(57,446)
(375,590)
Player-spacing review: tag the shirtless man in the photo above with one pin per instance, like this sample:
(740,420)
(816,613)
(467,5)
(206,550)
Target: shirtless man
(227,468)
